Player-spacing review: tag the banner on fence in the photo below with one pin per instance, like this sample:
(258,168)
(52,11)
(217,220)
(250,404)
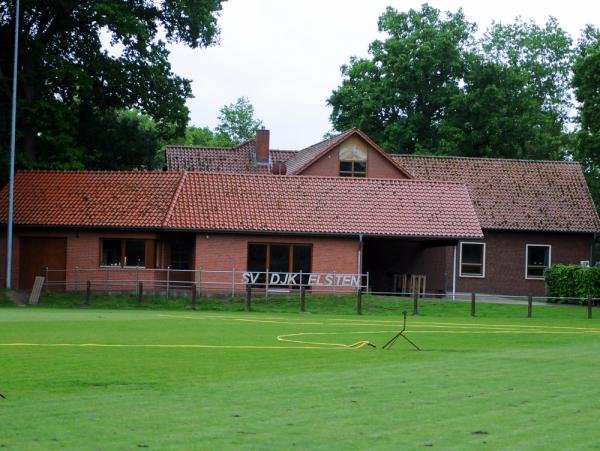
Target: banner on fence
(306,279)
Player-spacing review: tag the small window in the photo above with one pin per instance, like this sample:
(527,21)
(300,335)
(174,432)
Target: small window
(538,259)
(123,252)
(279,258)
(353,168)
(472,259)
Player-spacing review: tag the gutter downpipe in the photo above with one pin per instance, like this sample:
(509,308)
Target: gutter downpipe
(454,274)
(359,257)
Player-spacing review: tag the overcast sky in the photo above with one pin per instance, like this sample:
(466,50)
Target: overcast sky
(285,55)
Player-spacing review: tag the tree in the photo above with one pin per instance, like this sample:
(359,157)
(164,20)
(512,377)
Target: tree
(400,95)
(237,122)
(431,87)
(586,83)
(68,82)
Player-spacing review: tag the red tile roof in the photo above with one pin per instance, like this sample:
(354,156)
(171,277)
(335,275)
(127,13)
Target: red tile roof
(516,194)
(236,160)
(244,203)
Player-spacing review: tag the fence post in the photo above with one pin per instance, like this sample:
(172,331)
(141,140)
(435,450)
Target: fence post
(140,287)
(472,304)
(232,283)
(359,301)
(267,286)
(334,283)
(46,280)
(88,292)
(168,279)
(77,287)
(194,296)
(106,281)
(529,305)
(248,305)
(302,299)
(200,281)
(589,306)
(415,302)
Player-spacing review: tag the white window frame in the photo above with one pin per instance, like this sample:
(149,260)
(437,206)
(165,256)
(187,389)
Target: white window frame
(527,246)
(460,253)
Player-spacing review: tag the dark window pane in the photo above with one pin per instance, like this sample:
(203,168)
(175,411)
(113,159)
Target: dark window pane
(472,269)
(302,257)
(111,252)
(346,166)
(538,255)
(360,166)
(279,260)
(134,252)
(181,255)
(257,261)
(472,253)
(345,174)
(360,174)
(535,271)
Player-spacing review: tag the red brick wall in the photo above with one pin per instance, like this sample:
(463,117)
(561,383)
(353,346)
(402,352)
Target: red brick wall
(230,252)
(505,261)
(377,166)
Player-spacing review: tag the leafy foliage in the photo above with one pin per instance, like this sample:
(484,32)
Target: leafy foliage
(237,121)
(431,87)
(573,281)
(70,85)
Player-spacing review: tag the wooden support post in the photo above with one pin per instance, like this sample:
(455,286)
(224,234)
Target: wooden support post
(302,298)
(472,304)
(359,302)
(415,300)
(194,293)
(248,306)
(529,305)
(88,292)
(589,306)
(140,292)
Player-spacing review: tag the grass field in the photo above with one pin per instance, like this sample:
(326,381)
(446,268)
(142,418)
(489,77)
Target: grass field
(176,379)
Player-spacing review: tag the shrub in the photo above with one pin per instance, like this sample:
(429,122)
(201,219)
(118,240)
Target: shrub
(572,281)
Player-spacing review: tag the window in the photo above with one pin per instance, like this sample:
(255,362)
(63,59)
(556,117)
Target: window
(125,252)
(538,259)
(353,168)
(472,259)
(279,258)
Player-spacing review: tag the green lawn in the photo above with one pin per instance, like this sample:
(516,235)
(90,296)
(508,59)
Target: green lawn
(177,379)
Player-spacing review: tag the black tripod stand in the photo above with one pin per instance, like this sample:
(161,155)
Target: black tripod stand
(389,344)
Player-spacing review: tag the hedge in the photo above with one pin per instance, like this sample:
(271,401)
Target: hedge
(572,281)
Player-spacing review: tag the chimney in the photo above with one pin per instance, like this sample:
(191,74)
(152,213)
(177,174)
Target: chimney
(262,147)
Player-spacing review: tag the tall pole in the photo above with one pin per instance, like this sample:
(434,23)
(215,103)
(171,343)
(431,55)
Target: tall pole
(11,177)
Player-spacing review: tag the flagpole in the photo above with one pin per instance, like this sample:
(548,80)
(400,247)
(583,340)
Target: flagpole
(11,177)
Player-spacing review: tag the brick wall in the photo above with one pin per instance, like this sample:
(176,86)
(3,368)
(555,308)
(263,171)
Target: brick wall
(505,261)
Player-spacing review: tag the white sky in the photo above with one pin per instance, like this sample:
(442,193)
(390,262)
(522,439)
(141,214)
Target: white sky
(285,55)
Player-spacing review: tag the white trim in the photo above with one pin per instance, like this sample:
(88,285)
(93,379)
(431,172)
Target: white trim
(549,246)
(460,273)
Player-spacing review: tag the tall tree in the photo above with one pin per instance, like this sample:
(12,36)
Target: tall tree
(431,87)
(68,80)
(586,82)
(237,122)
(400,95)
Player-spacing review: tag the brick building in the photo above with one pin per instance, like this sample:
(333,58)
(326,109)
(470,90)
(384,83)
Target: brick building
(340,206)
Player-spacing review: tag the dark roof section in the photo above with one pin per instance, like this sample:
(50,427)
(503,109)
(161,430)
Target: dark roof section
(235,160)
(244,203)
(516,194)
(308,156)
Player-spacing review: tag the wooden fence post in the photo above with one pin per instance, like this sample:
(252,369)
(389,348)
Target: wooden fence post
(248,306)
(88,292)
(359,302)
(302,299)
(529,305)
(589,306)
(140,292)
(472,304)
(194,293)
(415,301)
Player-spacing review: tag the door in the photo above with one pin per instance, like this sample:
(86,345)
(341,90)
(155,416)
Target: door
(36,254)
